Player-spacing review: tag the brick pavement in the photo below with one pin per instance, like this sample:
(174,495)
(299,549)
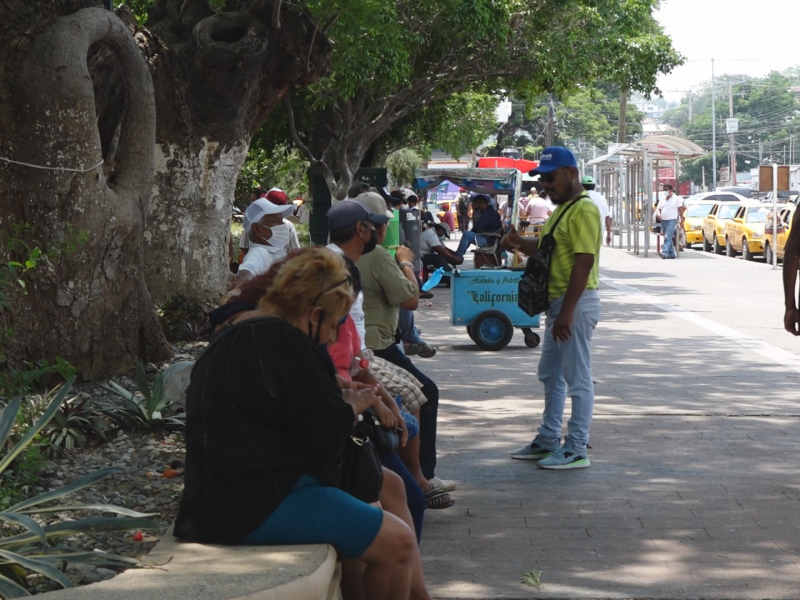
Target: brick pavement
(695,479)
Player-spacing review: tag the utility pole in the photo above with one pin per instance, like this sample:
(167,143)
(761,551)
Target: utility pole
(713,131)
(551,116)
(733,135)
(760,152)
(690,106)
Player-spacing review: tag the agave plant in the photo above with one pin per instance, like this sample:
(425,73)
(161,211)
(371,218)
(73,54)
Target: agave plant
(32,549)
(74,419)
(146,407)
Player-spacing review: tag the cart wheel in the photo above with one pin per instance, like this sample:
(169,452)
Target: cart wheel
(492,330)
(469,331)
(532,340)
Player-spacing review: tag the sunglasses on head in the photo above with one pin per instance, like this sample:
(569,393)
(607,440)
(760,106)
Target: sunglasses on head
(348,280)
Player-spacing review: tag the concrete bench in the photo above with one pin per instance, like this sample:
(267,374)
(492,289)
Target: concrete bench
(200,572)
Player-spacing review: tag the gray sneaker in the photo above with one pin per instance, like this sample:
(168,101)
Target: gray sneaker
(536,450)
(565,458)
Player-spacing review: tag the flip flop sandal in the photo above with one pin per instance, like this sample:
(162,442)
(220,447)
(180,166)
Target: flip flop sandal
(436,498)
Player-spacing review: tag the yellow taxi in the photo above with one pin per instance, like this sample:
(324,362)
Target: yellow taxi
(745,232)
(714,225)
(785,214)
(693,220)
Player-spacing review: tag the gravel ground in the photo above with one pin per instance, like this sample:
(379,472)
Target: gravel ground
(143,457)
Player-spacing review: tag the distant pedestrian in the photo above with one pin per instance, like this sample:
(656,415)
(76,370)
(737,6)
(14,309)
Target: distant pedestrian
(670,211)
(566,362)
(462,211)
(791,263)
(601,203)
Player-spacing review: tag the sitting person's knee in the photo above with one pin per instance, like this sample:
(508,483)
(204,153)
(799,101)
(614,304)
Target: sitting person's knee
(393,486)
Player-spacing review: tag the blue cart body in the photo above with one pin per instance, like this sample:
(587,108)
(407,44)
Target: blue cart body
(478,290)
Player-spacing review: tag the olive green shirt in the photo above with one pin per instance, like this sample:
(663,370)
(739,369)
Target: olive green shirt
(578,232)
(385,287)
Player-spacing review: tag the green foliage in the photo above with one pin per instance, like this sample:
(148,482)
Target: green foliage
(532,579)
(73,422)
(401,165)
(768,113)
(32,549)
(585,116)
(17,259)
(141,8)
(181,318)
(145,409)
(272,165)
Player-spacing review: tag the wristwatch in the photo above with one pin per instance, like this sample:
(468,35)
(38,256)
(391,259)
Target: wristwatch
(405,263)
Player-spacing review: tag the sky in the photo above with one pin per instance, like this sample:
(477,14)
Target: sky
(743,37)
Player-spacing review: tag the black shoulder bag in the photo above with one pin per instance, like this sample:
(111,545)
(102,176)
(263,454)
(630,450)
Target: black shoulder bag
(533,297)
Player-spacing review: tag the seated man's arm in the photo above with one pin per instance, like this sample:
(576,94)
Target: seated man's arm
(450,256)
(405,255)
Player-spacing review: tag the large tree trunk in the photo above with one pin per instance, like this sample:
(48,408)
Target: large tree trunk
(217,77)
(76,91)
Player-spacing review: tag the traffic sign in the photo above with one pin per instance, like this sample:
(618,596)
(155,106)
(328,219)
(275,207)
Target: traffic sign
(765,182)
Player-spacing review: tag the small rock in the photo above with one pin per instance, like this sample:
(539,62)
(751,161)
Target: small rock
(105,573)
(150,368)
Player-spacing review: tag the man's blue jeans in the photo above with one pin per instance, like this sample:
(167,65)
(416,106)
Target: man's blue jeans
(668,229)
(470,237)
(567,366)
(406,328)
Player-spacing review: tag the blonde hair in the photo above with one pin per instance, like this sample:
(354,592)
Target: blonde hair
(314,277)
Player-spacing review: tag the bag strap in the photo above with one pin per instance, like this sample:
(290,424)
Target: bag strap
(558,219)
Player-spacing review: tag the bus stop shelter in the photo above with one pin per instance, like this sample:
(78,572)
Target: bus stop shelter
(628,176)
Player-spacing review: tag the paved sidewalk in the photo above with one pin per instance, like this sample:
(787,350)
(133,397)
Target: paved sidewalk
(695,478)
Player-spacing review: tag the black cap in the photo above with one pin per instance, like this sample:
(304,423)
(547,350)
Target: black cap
(348,212)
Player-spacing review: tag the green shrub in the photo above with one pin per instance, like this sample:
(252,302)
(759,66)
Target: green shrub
(34,548)
(145,409)
(181,318)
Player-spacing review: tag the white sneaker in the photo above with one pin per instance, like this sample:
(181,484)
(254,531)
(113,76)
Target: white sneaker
(446,485)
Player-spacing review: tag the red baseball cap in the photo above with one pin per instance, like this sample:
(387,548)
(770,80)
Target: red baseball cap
(277,196)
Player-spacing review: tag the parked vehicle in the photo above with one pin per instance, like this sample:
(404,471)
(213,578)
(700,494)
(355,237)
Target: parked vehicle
(693,221)
(785,215)
(745,232)
(783,196)
(714,224)
(742,191)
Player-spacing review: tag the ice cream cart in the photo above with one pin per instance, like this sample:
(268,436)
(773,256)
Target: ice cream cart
(485,300)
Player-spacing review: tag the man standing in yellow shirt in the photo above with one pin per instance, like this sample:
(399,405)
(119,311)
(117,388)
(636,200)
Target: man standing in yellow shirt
(566,362)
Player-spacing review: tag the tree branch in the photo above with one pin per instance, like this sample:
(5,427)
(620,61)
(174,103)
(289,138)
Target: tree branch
(276,19)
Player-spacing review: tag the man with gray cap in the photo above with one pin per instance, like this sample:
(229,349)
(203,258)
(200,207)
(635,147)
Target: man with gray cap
(268,235)
(574,309)
(390,284)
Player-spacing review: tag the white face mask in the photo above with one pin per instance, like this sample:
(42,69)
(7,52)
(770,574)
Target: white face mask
(280,236)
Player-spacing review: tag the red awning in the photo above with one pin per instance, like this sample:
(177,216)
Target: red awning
(501,162)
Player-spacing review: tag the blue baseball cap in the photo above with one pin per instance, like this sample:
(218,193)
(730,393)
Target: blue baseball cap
(554,157)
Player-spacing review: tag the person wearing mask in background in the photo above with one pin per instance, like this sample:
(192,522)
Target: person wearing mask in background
(267,236)
(278,197)
(434,253)
(670,210)
(485,222)
(601,203)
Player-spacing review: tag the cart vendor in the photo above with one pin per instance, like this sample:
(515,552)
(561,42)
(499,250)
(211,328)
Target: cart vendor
(434,253)
(486,222)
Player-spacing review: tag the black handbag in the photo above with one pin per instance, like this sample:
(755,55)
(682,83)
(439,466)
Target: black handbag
(533,295)
(362,472)
(385,441)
